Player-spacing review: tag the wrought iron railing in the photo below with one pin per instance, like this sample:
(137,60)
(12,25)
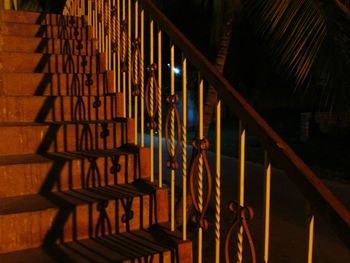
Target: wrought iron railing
(131,34)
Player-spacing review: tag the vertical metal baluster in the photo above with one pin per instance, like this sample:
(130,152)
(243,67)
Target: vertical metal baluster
(200,166)
(118,47)
(109,43)
(142,78)
(124,73)
(83,13)
(90,12)
(95,23)
(129,61)
(241,187)
(107,32)
(311,226)
(151,133)
(99,26)
(103,26)
(136,97)
(267,192)
(184,147)
(160,141)
(172,135)
(217,181)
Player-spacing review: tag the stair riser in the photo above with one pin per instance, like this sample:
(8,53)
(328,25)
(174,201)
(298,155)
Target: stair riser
(32,229)
(31,63)
(33,178)
(40,18)
(28,30)
(61,138)
(47,46)
(15,84)
(38,109)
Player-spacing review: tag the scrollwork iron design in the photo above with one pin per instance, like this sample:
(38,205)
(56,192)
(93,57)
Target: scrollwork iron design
(200,145)
(136,67)
(151,102)
(124,46)
(242,214)
(172,163)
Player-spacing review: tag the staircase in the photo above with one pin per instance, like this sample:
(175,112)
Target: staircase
(74,187)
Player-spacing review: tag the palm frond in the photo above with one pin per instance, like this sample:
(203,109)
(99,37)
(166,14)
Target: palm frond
(309,42)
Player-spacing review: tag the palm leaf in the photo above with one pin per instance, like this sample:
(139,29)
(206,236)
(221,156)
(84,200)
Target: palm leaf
(309,42)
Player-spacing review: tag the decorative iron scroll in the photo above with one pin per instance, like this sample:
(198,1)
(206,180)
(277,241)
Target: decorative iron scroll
(172,163)
(200,145)
(136,67)
(114,26)
(242,215)
(93,174)
(103,219)
(99,10)
(107,16)
(151,102)
(124,46)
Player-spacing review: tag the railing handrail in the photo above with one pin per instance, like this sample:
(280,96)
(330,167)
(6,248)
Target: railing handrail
(320,197)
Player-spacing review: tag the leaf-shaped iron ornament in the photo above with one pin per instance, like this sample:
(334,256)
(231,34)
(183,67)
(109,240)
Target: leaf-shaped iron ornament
(151,102)
(136,67)
(241,214)
(124,46)
(172,163)
(200,145)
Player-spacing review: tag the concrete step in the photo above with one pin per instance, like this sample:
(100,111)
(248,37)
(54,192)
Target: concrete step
(156,245)
(47,31)
(47,45)
(12,16)
(57,137)
(49,84)
(54,108)
(47,63)
(28,174)
(48,218)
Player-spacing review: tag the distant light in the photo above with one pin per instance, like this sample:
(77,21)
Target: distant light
(176,70)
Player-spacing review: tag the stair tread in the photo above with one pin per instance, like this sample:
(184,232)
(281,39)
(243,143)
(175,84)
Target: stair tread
(72,198)
(113,248)
(28,17)
(57,156)
(45,123)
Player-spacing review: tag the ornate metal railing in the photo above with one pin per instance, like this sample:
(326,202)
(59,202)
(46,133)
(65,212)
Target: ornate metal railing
(131,34)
